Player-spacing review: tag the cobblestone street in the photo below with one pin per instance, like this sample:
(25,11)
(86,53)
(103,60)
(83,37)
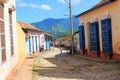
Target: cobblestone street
(56,66)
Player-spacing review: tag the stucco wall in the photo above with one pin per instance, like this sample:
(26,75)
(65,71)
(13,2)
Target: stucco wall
(11,60)
(113,10)
(21,45)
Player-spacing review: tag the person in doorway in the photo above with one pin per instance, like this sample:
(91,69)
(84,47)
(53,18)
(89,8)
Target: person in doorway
(61,49)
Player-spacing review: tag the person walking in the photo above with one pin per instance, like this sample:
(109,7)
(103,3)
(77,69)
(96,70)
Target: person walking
(61,49)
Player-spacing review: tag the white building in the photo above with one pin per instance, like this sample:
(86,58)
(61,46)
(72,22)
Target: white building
(8,48)
(35,38)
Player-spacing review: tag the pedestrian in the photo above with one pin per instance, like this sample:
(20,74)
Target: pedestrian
(61,49)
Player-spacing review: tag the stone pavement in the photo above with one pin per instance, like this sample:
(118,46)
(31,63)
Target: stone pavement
(52,65)
(25,72)
(57,66)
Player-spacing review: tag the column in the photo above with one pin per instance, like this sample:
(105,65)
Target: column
(34,43)
(38,42)
(31,48)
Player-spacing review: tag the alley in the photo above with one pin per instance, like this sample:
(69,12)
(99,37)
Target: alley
(57,66)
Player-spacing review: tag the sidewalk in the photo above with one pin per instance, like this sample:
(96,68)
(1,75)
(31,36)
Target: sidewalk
(25,72)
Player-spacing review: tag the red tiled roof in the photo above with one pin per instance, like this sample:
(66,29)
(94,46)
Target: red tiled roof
(65,38)
(27,26)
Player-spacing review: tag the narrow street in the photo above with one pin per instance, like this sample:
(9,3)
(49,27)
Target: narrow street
(56,66)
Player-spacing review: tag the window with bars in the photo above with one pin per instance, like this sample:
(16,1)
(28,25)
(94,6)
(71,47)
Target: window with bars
(106,35)
(2,34)
(94,36)
(11,33)
(82,37)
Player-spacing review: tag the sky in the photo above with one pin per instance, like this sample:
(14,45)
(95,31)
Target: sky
(30,11)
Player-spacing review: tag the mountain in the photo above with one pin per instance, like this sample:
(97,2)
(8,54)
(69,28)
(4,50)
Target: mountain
(57,27)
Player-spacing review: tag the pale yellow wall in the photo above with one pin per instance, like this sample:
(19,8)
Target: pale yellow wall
(21,45)
(114,10)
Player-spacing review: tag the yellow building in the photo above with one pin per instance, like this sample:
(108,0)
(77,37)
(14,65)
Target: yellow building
(21,45)
(100,29)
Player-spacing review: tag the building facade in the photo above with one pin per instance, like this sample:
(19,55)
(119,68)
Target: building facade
(8,40)
(21,45)
(36,40)
(99,29)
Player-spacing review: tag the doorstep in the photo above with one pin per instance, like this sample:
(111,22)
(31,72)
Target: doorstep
(98,59)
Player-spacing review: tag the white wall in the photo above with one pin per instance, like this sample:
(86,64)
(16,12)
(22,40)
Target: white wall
(40,41)
(11,61)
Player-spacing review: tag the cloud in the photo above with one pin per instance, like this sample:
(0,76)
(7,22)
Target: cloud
(32,5)
(18,0)
(74,2)
(45,7)
(22,4)
(62,1)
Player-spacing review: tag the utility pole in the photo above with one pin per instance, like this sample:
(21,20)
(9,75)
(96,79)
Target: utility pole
(71,26)
(53,38)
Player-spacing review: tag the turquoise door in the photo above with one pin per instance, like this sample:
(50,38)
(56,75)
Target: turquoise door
(27,45)
(47,43)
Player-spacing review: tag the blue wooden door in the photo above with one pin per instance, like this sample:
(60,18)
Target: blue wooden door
(106,35)
(82,37)
(47,44)
(27,45)
(94,36)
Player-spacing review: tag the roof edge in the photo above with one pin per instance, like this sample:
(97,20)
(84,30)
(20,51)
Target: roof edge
(92,9)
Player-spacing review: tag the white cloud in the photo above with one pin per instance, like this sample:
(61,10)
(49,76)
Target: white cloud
(18,0)
(74,2)
(32,5)
(62,1)
(45,7)
(22,4)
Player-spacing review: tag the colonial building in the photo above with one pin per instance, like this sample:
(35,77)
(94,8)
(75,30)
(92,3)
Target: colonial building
(8,47)
(100,28)
(36,40)
(64,41)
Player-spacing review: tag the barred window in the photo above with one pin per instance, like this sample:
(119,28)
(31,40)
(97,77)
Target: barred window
(94,36)
(11,33)
(2,34)
(106,35)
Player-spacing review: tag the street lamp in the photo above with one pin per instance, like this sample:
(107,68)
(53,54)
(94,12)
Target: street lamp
(71,24)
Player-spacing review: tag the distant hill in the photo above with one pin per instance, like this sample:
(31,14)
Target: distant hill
(61,26)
